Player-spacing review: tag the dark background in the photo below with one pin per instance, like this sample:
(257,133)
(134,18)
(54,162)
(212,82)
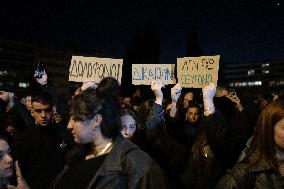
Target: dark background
(240,30)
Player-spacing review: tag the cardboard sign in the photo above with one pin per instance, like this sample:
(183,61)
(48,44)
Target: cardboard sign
(143,74)
(197,72)
(93,68)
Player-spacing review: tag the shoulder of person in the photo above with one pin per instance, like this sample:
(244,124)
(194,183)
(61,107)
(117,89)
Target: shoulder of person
(239,177)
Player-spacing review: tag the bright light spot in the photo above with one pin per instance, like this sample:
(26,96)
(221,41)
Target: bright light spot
(23,85)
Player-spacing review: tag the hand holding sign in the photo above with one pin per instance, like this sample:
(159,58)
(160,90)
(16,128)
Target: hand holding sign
(88,84)
(176,92)
(208,94)
(156,87)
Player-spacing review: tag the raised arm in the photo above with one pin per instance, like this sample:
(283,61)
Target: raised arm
(175,94)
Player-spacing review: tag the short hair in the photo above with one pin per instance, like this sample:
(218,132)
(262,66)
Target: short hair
(193,104)
(43,98)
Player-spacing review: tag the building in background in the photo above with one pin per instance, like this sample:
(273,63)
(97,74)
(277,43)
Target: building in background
(268,74)
(18,61)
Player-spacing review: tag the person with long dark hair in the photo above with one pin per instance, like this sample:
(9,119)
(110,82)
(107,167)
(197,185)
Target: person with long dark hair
(109,160)
(263,166)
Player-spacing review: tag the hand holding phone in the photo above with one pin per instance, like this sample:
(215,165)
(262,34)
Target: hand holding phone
(39,70)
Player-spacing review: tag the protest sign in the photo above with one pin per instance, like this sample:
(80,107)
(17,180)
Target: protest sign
(95,69)
(143,74)
(197,72)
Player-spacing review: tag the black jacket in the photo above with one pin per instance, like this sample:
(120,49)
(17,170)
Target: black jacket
(126,166)
(260,175)
(40,155)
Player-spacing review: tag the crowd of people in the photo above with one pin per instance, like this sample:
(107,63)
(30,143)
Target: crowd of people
(100,139)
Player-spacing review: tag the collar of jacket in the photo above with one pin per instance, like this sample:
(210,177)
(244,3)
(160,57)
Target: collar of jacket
(261,165)
(113,160)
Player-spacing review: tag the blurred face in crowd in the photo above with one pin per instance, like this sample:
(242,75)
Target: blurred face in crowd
(128,125)
(192,115)
(126,102)
(6,160)
(11,130)
(58,118)
(187,97)
(5,96)
(279,134)
(42,113)
(28,103)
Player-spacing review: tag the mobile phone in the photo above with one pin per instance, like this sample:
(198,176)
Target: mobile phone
(39,71)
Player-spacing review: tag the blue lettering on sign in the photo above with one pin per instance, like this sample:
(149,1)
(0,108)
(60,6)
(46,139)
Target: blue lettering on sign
(152,73)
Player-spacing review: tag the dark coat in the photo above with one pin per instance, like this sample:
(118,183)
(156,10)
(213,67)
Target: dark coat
(39,154)
(216,149)
(260,175)
(126,166)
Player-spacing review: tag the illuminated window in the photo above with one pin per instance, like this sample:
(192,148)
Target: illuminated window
(23,85)
(265,65)
(265,71)
(251,72)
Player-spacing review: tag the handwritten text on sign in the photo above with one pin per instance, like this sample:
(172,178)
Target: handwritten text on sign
(143,74)
(93,68)
(197,72)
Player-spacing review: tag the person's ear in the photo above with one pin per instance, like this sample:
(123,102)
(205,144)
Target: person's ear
(98,120)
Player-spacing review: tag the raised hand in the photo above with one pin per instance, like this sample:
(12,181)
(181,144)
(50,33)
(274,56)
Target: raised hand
(21,183)
(42,80)
(88,84)
(176,92)
(156,87)
(234,98)
(209,92)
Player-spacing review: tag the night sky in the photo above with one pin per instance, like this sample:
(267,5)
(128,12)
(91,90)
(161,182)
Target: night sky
(239,30)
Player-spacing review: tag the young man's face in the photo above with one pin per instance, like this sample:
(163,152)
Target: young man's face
(192,115)
(42,113)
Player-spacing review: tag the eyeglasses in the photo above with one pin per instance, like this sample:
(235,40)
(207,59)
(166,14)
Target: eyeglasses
(46,110)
